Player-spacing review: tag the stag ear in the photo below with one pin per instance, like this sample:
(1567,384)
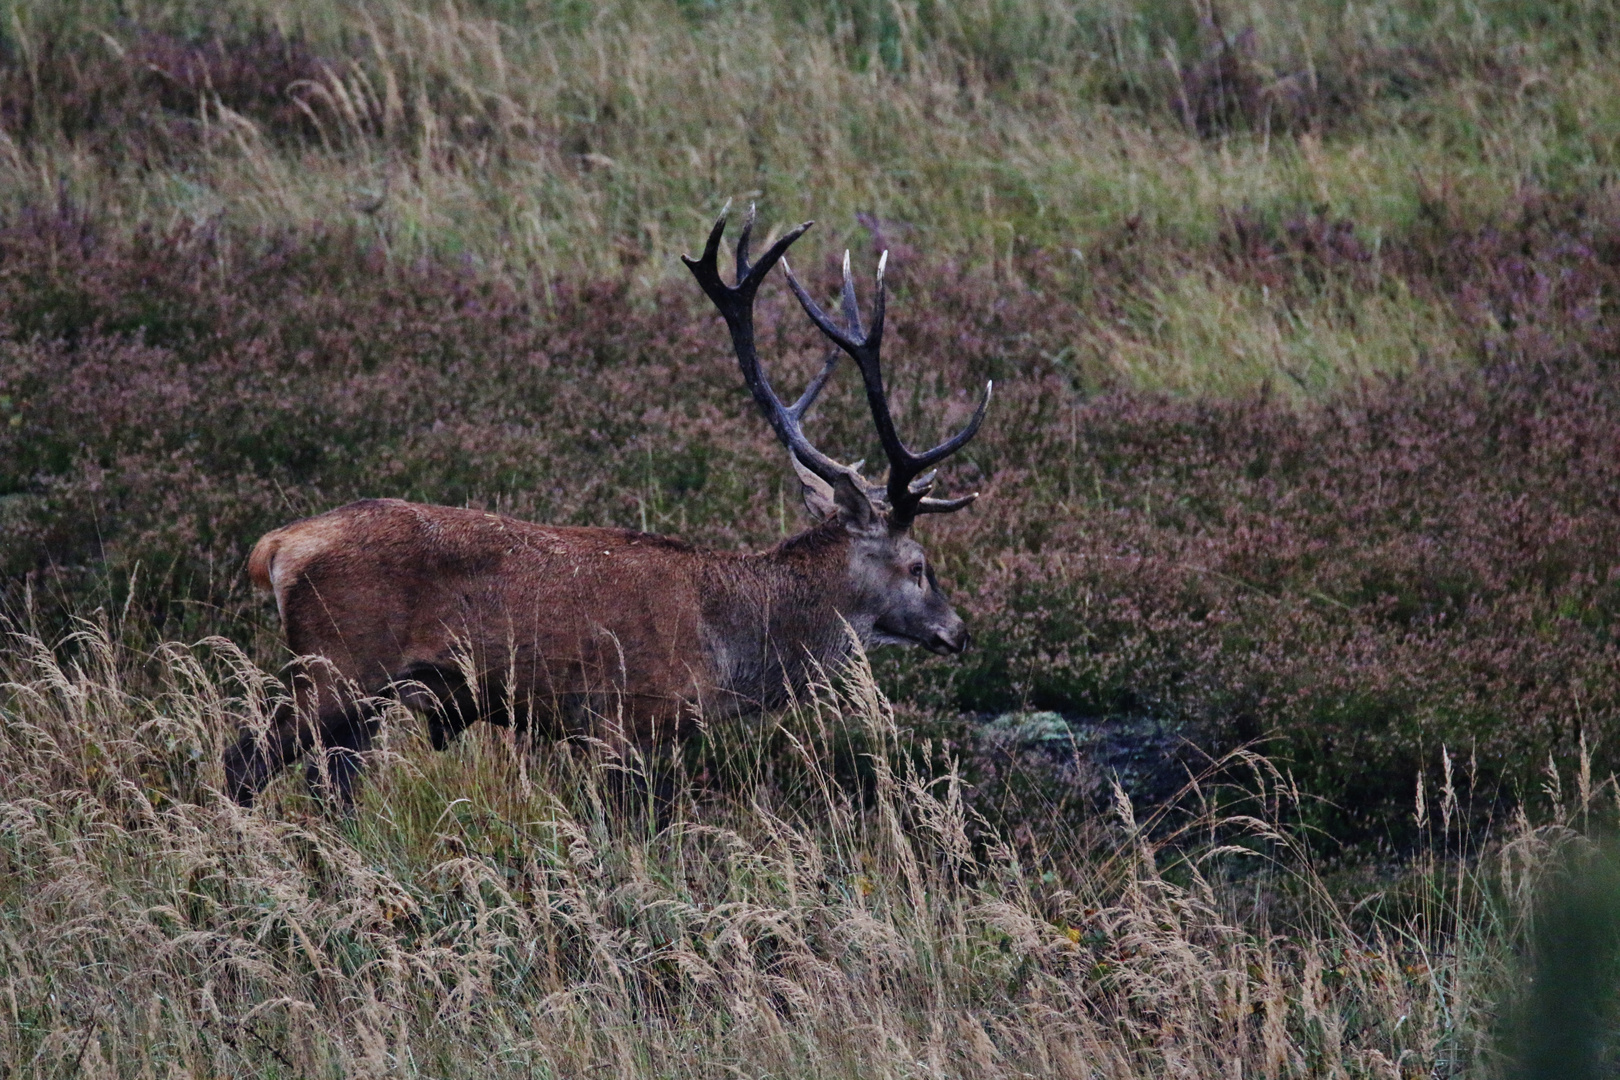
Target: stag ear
(845,498)
(818,494)
(855,509)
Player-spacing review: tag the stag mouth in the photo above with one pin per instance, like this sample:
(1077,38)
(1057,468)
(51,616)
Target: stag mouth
(940,645)
(938,642)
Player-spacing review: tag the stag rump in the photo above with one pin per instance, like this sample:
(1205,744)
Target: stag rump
(464,615)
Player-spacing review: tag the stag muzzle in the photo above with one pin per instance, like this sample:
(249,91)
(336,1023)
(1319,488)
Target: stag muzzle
(949,640)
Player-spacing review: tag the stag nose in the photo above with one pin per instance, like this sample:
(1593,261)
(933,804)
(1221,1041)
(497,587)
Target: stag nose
(951,640)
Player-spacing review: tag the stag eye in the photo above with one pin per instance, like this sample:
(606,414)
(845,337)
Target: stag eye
(917,573)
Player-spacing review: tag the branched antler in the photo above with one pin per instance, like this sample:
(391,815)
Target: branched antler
(911,476)
(736,304)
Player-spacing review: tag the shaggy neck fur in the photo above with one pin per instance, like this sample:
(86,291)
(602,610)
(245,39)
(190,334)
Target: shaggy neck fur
(776,619)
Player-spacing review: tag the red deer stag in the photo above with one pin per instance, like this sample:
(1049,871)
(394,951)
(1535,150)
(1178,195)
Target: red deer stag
(464,615)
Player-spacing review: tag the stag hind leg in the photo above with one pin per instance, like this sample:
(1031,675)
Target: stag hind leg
(259,756)
(345,734)
(322,714)
(345,726)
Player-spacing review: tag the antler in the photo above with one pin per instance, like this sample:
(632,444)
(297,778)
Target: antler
(911,476)
(736,304)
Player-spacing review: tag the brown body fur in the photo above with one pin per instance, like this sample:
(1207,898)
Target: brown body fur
(471,615)
(383,587)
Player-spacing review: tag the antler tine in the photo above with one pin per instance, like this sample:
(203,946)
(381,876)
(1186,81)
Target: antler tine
(852,310)
(951,445)
(924,483)
(837,333)
(737,300)
(813,391)
(742,242)
(864,347)
(944,506)
(907,489)
(736,306)
(711,247)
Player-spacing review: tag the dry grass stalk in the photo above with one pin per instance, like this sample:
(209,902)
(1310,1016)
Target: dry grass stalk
(458,924)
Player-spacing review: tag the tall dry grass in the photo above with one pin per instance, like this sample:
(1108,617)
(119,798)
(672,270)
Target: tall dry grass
(508,910)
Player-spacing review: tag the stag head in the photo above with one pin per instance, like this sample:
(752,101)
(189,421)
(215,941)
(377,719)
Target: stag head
(896,598)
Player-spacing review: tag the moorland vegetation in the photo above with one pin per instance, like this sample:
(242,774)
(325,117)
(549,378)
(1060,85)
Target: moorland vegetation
(1301,474)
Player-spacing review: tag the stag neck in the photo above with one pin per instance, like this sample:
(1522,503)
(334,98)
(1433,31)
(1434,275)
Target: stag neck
(775,618)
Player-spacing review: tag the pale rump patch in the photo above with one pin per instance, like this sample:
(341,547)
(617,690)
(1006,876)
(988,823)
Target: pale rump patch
(279,558)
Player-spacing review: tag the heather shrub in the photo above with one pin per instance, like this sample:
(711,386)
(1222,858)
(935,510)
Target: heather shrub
(1417,560)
